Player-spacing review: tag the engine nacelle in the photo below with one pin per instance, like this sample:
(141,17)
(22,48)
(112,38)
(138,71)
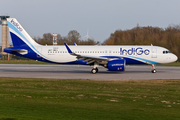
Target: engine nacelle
(116,65)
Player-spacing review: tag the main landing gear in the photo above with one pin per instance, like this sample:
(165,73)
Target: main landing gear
(95,69)
(153,69)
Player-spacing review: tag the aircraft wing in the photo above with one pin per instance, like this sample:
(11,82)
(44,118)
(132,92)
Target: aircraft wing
(86,58)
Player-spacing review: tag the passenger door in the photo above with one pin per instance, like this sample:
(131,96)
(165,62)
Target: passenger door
(153,52)
(39,50)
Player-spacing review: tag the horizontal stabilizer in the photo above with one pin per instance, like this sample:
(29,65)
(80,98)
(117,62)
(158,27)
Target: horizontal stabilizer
(18,50)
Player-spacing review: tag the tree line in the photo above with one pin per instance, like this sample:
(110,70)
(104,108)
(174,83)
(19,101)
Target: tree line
(168,37)
(73,36)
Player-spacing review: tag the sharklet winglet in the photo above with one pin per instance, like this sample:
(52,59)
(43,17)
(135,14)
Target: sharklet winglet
(74,44)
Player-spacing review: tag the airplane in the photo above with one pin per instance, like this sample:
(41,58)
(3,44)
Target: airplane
(114,58)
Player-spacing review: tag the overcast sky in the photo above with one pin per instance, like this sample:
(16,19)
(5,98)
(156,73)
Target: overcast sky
(100,17)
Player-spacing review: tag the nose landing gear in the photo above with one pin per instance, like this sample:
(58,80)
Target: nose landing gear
(153,69)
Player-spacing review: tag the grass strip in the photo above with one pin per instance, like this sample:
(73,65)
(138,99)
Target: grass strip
(39,99)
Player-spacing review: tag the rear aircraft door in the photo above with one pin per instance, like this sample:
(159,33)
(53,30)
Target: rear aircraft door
(39,49)
(110,52)
(153,52)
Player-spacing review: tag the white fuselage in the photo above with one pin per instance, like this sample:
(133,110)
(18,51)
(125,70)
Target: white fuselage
(145,54)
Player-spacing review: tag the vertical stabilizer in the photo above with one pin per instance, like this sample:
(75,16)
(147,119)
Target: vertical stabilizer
(18,34)
(23,44)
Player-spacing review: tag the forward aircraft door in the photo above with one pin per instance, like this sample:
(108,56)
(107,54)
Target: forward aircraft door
(154,52)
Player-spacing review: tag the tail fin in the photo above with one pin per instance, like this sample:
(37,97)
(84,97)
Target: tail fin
(18,35)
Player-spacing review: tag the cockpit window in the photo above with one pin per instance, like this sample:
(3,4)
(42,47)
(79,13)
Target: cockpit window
(166,52)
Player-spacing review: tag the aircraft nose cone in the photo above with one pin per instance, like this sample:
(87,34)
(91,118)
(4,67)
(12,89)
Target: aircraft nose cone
(174,58)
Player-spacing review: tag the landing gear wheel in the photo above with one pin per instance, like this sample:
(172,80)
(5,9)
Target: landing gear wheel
(97,69)
(94,70)
(154,71)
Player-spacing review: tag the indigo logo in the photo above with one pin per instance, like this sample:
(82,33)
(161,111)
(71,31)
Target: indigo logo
(16,25)
(134,51)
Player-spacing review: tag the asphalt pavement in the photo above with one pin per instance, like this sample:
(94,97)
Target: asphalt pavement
(83,72)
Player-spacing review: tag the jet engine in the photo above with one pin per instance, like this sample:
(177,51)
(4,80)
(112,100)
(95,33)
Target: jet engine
(116,65)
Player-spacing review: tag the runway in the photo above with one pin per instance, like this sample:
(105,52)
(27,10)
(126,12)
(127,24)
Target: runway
(83,72)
